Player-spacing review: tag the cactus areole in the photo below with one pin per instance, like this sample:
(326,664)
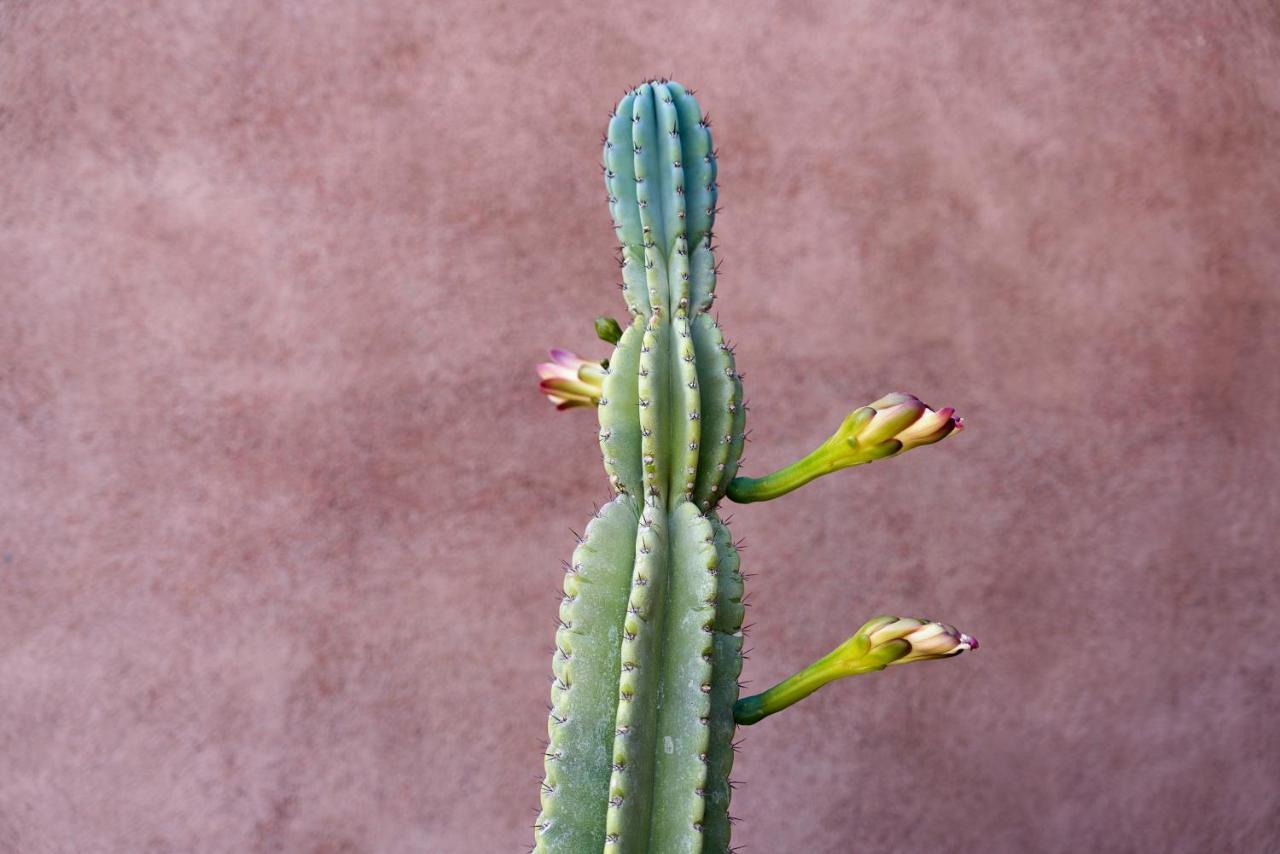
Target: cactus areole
(649,645)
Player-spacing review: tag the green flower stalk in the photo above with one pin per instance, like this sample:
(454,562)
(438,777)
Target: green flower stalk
(648,649)
(881,642)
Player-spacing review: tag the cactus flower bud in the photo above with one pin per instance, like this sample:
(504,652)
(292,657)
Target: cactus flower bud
(569,381)
(892,425)
(879,643)
(608,329)
(908,420)
(924,639)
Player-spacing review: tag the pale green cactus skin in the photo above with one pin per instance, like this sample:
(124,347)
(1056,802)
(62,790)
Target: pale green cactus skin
(649,646)
(649,649)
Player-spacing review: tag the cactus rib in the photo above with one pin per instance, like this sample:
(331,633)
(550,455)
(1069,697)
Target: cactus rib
(584,690)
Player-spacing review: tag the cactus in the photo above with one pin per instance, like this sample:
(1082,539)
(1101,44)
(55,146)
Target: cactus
(644,698)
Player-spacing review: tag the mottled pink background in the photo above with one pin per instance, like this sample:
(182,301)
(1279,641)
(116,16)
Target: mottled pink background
(283,513)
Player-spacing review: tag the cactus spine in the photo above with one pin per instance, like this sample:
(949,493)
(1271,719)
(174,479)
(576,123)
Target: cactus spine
(649,645)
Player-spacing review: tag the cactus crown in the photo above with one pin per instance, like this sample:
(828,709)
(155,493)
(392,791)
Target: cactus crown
(670,413)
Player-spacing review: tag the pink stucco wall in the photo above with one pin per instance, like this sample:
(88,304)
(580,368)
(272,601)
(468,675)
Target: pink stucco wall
(282,512)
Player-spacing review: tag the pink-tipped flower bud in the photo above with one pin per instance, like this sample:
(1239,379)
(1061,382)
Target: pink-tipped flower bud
(924,639)
(569,380)
(902,419)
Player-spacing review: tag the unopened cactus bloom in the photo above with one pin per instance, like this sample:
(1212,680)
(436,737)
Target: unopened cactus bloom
(569,380)
(923,639)
(880,642)
(901,418)
(892,425)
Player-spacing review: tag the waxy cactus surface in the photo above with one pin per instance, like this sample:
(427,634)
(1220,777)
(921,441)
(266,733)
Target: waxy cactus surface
(649,645)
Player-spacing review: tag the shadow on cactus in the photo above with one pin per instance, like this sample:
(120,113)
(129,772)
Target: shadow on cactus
(644,699)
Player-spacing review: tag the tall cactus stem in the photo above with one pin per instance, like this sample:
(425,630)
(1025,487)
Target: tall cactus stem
(648,654)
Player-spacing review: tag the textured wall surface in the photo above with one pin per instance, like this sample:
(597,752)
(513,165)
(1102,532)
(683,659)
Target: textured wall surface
(282,512)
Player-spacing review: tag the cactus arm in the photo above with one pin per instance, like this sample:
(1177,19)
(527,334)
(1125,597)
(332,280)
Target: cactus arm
(584,691)
(619,427)
(725,669)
